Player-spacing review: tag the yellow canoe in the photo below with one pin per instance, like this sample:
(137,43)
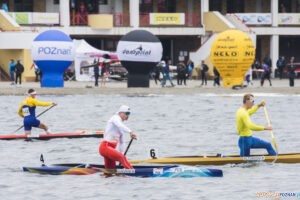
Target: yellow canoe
(223,160)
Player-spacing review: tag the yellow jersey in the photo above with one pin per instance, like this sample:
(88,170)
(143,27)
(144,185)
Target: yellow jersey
(28,105)
(243,122)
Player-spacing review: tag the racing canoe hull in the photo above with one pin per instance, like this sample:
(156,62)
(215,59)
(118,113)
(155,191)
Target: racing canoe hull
(223,160)
(78,134)
(139,171)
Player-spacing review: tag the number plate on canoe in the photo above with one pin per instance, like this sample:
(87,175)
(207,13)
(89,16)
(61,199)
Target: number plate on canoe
(254,158)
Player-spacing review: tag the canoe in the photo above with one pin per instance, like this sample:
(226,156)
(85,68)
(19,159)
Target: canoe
(77,134)
(138,171)
(223,160)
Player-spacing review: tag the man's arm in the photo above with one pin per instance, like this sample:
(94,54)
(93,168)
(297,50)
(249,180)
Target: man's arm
(248,123)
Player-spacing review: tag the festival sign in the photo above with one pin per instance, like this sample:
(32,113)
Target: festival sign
(167,18)
(289,18)
(232,53)
(35,17)
(45,18)
(255,18)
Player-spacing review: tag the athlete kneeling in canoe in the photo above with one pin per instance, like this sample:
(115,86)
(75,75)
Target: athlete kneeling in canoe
(244,127)
(114,134)
(27,111)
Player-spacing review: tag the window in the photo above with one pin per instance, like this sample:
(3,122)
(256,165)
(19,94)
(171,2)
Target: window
(215,5)
(235,6)
(56,2)
(23,5)
(102,2)
(146,6)
(285,6)
(168,6)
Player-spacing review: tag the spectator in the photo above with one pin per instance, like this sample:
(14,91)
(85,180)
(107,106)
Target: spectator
(82,8)
(166,73)
(19,71)
(156,71)
(291,70)
(256,66)
(266,74)
(104,71)
(282,8)
(190,66)
(96,72)
(12,69)
(248,76)
(181,73)
(36,71)
(204,69)
(216,77)
(280,66)
(4,7)
(268,61)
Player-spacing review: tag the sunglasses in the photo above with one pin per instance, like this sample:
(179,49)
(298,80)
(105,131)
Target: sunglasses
(127,113)
(251,101)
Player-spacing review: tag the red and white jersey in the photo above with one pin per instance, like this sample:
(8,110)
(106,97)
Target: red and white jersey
(114,131)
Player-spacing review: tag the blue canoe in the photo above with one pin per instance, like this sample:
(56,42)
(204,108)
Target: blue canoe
(139,171)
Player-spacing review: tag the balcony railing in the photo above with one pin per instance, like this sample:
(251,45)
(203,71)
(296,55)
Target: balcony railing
(123,19)
(81,19)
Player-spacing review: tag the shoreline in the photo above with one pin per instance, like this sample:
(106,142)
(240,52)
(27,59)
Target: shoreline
(115,87)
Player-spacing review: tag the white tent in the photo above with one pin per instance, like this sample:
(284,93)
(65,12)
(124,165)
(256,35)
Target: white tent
(82,58)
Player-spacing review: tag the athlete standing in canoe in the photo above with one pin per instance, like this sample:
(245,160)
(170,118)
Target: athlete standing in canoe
(27,111)
(114,135)
(244,127)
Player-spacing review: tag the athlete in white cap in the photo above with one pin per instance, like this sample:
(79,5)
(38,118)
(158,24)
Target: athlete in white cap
(27,111)
(114,135)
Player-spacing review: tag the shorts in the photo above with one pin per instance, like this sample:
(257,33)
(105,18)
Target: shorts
(30,122)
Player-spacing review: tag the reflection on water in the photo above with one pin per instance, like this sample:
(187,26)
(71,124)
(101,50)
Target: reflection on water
(173,125)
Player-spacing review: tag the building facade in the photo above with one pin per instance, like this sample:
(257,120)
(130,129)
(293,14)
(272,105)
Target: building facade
(185,28)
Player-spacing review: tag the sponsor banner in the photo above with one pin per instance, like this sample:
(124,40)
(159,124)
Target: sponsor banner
(35,17)
(255,18)
(232,53)
(21,17)
(167,18)
(266,18)
(45,18)
(139,51)
(289,18)
(52,50)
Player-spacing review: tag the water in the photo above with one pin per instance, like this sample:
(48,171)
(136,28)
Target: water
(173,125)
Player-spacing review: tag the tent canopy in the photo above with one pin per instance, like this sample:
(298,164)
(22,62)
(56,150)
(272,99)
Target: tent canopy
(82,47)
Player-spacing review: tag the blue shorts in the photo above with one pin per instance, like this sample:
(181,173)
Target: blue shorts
(247,143)
(30,122)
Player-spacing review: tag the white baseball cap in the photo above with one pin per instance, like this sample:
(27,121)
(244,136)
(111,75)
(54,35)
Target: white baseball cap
(124,109)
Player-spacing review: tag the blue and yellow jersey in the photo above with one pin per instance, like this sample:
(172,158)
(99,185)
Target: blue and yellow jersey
(28,106)
(244,124)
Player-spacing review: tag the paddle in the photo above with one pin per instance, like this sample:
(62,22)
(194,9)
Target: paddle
(127,149)
(271,131)
(128,146)
(36,117)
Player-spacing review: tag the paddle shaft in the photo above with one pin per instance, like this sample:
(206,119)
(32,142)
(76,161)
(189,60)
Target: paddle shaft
(127,149)
(271,131)
(36,117)
(128,146)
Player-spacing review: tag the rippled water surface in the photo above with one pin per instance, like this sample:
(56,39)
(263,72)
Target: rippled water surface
(173,125)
